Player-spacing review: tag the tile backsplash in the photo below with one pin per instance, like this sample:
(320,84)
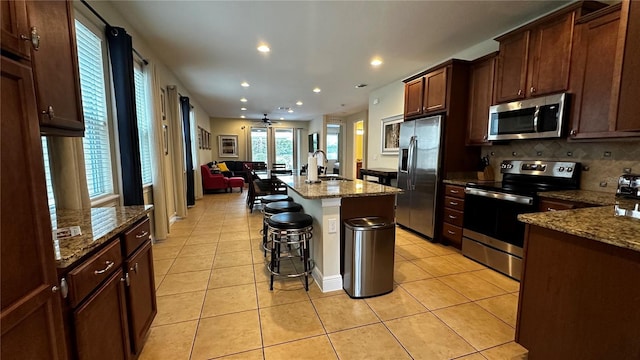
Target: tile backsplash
(602,162)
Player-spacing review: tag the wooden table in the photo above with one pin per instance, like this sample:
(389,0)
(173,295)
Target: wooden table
(384,175)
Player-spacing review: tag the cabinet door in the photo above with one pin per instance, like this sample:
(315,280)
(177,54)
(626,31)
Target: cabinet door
(141,295)
(550,56)
(480,99)
(55,67)
(101,323)
(30,317)
(511,77)
(413,92)
(627,118)
(435,91)
(593,75)
(14,28)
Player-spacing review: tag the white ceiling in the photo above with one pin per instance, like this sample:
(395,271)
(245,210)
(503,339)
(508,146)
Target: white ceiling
(211,47)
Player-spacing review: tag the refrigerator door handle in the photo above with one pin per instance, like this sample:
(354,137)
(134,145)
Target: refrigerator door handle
(410,169)
(413,163)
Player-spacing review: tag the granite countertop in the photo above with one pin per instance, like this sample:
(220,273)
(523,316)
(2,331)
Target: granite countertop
(98,225)
(583,196)
(596,223)
(337,188)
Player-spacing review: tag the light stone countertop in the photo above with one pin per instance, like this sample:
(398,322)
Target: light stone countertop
(583,196)
(98,225)
(337,188)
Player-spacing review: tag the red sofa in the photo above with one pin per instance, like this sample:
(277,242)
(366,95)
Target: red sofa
(213,181)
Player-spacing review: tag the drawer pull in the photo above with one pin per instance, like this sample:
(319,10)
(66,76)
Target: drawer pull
(109,266)
(452,217)
(453,203)
(551,209)
(451,232)
(140,236)
(134,268)
(454,191)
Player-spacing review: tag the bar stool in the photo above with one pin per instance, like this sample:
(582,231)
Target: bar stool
(271,209)
(275,197)
(290,229)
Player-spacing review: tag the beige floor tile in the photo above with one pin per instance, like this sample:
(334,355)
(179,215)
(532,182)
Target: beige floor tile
(180,231)
(184,282)
(284,292)
(406,271)
(434,294)
(476,325)
(237,258)
(465,263)
(233,226)
(471,286)
(178,307)
(158,280)
(505,307)
(191,263)
(413,252)
(198,250)
(315,292)
(395,304)
(234,246)
(342,312)
(234,234)
(437,249)
(367,342)
(289,322)
(257,254)
(230,276)
(497,279)
(173,241)
(508,351)
(247,355)
(426,337)
(170,342)
(161,267)
(203,239)
(231,299)
(226,335)
(438,266)
(315,348)
(474,356)
(403,241)
(163,252)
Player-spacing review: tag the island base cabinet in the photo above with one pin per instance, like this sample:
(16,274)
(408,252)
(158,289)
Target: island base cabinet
(579,298)
(141,299)
(101,323)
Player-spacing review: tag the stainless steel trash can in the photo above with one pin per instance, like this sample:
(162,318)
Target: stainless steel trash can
(368,256)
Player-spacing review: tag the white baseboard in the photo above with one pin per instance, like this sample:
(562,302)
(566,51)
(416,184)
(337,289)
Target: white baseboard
(327,283)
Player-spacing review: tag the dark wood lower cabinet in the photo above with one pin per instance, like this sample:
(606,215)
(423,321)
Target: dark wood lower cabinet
(141,295)
(100,323)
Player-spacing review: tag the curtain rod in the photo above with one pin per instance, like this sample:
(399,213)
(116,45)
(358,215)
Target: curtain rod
(106,23)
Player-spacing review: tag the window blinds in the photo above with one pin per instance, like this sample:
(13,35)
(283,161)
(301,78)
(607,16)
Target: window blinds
(142,114)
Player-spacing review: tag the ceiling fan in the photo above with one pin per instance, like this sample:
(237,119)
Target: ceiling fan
(266,121)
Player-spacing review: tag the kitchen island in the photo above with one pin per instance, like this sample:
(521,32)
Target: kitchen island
(330,202)
(579,292)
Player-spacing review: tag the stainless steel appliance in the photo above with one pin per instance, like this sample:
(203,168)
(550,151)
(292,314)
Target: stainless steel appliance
(419,157)
(541,117)
(629,186)
(491,233)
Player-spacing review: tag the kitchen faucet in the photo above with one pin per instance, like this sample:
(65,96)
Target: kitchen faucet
(324,156)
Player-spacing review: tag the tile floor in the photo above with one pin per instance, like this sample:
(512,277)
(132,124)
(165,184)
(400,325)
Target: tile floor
(214,302)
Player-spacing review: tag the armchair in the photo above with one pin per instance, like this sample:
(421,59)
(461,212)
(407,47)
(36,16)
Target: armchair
(213,181)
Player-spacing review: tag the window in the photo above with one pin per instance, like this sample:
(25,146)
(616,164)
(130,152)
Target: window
(284,147)
(97,151)
(47,174)
(144,123)
(333,141)
(259,144)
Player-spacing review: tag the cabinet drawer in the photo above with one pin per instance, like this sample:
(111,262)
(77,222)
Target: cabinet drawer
(453,217)
(86,277)
(454,203)
(454,191)
(452,233)
(136,236)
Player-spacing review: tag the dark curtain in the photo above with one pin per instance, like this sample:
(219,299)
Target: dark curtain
(121,55)
(185,106)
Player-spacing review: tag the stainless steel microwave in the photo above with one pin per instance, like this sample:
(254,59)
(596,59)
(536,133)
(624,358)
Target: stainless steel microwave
(537,118)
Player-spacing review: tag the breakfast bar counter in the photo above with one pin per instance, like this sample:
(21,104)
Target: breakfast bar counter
(330,202)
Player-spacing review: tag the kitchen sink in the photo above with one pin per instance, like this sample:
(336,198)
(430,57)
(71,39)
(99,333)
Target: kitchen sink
(332,177)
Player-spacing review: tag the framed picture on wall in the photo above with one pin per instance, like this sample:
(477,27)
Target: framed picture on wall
(391,135)
(228,145)
(313,142)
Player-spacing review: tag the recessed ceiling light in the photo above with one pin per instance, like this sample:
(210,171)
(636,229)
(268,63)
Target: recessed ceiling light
(376,62)
(264,48)
(243,109)
(290,111)
(245,84)
(243,99)
(359,86)
(242,116)
(316,90)
(281,118)
(299,103)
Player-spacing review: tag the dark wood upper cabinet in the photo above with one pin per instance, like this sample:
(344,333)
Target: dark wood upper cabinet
(16,35)
(511,79)
(435,91)
(413,94)
(481,76)
(605,77)
(55,68)
(31,317)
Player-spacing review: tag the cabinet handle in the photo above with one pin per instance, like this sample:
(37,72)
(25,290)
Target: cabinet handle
(55,289)
(64,288)
(533,90)
(453,203)
(451,232)
(519,92)
(109,266)
(573,132)
(134,268)
(33,37)
(452,217)
(454,191)
(143,234)
(551,209)
(485,138)
(125,279)
(49,112)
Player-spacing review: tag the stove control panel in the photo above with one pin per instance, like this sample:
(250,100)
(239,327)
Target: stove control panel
(555,169)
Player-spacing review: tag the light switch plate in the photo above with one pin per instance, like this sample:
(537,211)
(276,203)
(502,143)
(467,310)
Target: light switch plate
(333,226)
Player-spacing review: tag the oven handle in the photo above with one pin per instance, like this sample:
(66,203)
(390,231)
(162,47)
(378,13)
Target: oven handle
(520,199)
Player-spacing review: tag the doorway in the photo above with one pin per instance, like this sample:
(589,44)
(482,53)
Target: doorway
(358,147)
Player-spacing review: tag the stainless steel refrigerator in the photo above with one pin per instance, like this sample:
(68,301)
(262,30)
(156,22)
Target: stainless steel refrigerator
(418,162)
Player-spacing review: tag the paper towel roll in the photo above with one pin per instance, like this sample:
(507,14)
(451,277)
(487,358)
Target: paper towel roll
(312,169)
